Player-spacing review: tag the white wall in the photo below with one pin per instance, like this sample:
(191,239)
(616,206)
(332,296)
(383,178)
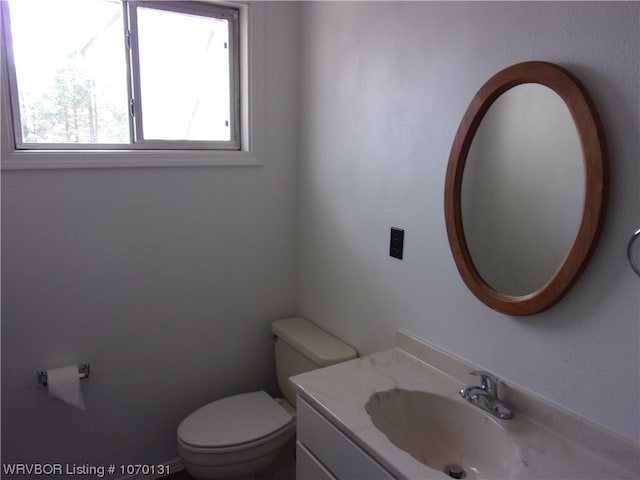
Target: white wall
(383,88)
(164,279)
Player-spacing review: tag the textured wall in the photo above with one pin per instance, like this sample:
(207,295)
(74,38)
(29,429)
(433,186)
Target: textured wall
(383,88)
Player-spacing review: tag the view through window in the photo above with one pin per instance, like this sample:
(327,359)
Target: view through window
(123,73)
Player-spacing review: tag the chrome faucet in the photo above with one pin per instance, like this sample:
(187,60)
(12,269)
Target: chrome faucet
(485,395)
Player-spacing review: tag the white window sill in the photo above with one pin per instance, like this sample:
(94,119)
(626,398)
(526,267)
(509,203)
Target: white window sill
(34,159)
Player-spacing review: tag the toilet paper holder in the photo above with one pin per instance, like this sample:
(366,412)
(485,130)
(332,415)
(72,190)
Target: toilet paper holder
(83,372)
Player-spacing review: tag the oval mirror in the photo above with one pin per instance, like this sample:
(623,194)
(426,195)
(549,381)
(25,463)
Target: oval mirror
(525,189)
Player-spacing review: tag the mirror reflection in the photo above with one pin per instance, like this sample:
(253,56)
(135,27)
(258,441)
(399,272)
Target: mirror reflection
(523,189)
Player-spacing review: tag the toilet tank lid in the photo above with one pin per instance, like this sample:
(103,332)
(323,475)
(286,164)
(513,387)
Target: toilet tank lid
(319,346)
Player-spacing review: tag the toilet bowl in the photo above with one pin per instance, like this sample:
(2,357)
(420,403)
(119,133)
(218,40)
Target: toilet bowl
(235,437)
(243,435)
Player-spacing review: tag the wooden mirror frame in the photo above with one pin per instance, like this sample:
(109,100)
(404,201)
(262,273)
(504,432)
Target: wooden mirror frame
(593,144)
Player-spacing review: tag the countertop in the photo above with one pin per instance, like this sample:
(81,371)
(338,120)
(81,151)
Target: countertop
(553,443)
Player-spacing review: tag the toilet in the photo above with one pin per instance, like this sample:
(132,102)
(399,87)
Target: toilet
(242,436)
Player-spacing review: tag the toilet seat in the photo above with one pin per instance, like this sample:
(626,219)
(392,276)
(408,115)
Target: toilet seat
(234,423)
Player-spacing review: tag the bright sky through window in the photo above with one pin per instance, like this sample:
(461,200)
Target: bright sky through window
(184,76)
(73,84)
(71,71)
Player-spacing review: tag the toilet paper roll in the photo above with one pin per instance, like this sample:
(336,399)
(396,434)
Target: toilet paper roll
(64,383)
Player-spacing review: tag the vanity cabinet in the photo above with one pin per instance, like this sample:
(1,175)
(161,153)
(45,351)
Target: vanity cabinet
(324,453)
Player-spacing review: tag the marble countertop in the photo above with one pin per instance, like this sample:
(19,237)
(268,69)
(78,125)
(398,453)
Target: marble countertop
(553,443)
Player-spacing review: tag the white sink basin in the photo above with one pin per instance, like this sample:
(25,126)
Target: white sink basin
(445,434)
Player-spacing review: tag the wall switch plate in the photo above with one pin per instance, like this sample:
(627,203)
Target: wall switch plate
(396,245)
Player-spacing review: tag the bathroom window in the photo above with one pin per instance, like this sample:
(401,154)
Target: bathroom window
(109,75)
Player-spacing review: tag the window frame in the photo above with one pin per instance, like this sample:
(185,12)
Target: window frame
(195,8)
(248,108)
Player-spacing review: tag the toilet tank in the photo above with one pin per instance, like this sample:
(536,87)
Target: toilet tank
(300,347)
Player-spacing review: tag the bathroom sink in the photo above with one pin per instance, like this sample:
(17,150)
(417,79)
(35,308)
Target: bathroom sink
(446,435)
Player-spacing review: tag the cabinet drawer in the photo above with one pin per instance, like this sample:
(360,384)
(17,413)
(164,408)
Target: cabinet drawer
(343,458)
(308,467)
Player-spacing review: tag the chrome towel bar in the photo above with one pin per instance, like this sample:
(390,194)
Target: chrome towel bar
(635,266)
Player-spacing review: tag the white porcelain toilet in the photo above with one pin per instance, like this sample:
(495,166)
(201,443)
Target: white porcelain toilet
(243,435)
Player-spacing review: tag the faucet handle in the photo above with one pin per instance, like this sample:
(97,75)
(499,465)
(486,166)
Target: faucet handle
(489,382)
